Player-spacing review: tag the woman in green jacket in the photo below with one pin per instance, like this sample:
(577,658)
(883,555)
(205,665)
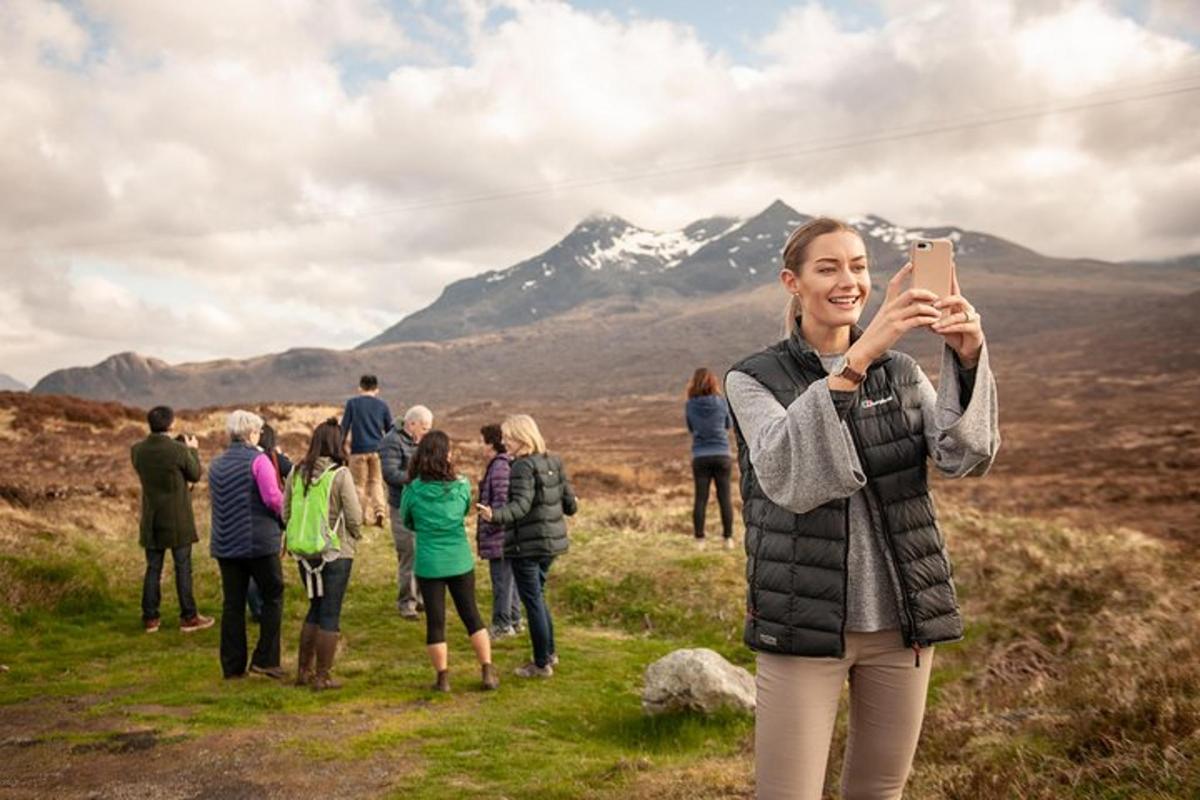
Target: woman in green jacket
(434,506)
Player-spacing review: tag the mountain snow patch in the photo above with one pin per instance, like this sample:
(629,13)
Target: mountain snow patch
(634,244)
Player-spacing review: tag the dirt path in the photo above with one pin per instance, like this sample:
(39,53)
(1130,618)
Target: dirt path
(57,750)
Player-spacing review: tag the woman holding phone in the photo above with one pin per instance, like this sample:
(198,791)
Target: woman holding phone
(847,570)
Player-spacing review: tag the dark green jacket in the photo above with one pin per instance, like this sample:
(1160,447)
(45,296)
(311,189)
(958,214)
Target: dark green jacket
(165,468)
(539,499)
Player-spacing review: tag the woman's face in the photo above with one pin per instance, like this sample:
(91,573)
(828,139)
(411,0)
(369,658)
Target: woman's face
(254,436)
(834,281)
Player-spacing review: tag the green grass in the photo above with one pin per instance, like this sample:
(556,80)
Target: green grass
(1079,676)
(558,738)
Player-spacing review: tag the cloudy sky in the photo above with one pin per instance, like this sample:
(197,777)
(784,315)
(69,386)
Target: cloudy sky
(200,180)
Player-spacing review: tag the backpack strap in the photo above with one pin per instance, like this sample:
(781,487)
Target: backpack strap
(314,584)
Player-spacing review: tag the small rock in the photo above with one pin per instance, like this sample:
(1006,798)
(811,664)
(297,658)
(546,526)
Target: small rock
(696,680)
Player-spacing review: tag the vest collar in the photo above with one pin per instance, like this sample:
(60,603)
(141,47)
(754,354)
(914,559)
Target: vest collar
(805,353)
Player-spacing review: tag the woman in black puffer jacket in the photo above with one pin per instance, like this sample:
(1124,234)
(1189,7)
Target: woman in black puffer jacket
(540,499)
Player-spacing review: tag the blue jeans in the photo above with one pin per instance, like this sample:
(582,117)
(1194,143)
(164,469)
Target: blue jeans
(326,611)
(506,604)
(530,575)
(152,583)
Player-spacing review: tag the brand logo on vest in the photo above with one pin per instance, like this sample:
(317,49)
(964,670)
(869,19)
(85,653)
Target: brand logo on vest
(767,638)
(891,398)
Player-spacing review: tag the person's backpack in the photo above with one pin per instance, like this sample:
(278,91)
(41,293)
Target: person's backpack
(308,537)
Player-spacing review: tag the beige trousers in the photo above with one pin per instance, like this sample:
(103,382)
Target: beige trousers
(797,708)
(368,480)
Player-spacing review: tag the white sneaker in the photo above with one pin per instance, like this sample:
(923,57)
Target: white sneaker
(729,544)
(699,544)
(500,633)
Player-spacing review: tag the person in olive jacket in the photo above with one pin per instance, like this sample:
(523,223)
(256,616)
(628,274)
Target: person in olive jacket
(165,467)
(540,498)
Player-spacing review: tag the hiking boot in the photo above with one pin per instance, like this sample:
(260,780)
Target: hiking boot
(196,623)
(327,642)
(442,684)
(308,653)
(409,614)
(277,673)
(150,625)
(491,680)
(497,633)
(532,670)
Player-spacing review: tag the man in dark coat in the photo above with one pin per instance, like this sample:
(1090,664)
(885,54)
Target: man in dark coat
(165,468)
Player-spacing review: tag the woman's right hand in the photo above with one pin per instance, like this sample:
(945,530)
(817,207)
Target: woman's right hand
(902,310)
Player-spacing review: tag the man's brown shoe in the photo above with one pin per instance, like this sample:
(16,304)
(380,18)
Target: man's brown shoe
(491,680)
(196,623)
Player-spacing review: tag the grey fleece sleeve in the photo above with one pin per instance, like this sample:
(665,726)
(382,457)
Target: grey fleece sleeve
(803,455)
(963,442)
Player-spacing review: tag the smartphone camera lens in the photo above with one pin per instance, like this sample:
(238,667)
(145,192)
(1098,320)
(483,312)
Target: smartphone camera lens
(923,245)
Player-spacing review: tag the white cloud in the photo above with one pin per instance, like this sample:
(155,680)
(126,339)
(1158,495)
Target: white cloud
(218,147)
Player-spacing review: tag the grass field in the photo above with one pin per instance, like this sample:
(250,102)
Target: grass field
(1080,675)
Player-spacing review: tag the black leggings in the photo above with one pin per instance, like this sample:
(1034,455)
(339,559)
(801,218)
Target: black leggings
(704,470)
(462,590)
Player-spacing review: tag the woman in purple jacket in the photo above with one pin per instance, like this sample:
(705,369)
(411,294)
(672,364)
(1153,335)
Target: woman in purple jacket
(493,492)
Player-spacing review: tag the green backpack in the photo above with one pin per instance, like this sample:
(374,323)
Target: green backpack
(309,538)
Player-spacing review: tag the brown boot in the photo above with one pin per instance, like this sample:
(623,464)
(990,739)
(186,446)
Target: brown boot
(327,642)
(442,684)
(308,653)
(491,680)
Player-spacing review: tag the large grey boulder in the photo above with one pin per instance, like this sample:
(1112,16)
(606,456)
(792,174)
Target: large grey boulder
(696,680)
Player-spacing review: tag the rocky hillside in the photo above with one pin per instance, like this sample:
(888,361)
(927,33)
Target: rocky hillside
(615,310)
(606,257)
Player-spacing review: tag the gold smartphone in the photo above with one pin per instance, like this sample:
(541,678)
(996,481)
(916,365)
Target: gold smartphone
(933,265)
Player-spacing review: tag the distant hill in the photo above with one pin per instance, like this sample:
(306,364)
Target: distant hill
(10,384)
(614,309)
(607,257)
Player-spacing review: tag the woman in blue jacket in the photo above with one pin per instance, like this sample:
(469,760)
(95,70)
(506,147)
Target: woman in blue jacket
(709,422)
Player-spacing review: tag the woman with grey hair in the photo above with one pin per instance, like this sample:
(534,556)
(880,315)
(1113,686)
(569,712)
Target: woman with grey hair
(246,504)
(397,450)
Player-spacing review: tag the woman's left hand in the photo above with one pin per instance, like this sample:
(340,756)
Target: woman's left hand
(485,512)
(962,327)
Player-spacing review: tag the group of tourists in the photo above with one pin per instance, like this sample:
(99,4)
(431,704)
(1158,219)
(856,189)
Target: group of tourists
(848,576)
(266,510)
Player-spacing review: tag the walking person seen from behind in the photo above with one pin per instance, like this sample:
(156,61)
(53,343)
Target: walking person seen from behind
(434,507)
(366,420)
(493,492)
(848,573)
(396,453)
(708,422)
(324,524)
(165,468)
(540,499)
(246,504)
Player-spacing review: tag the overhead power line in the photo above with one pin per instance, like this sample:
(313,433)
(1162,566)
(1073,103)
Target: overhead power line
(1156,90)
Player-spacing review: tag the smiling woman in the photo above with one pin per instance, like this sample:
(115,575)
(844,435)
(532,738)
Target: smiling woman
(847,570)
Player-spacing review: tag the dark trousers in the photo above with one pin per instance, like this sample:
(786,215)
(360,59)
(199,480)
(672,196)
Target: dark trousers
(254,601)
(706,470)
(326,611)
(462,591)
(506,605)
(530,575)
(235,581)
(152,583)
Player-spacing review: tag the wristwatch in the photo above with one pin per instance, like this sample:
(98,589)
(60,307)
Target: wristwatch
(842,369)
